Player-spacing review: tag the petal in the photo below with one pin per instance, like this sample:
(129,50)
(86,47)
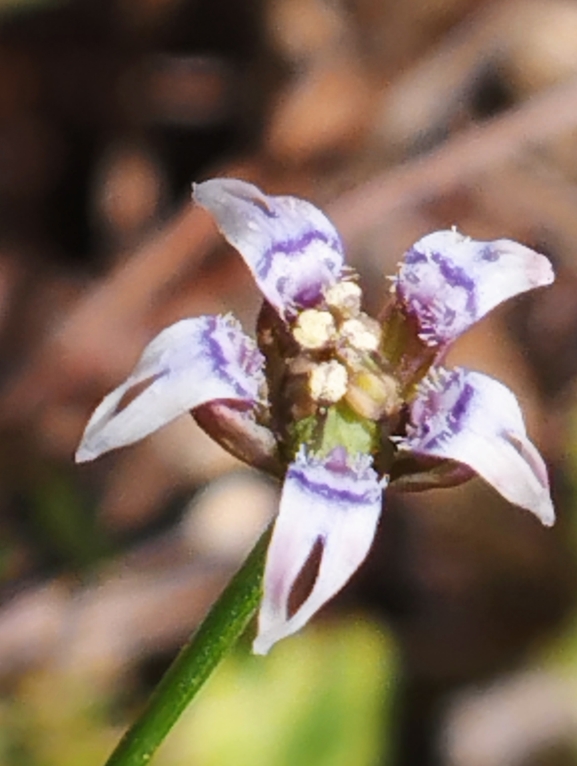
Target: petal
(448,281)
(335,502)
(469,417)
(291,248)
(188,364)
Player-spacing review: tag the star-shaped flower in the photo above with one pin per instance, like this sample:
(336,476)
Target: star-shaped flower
(338,403)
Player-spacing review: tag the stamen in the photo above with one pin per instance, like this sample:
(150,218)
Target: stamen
(328,382)
(345,299)
(363,334)
(314,329)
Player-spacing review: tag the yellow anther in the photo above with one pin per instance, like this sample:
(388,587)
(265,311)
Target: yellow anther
(373,395)
(314,329)
(328,382)
(345,299)
(362,334)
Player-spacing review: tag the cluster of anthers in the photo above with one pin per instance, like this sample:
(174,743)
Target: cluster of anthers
(348,342)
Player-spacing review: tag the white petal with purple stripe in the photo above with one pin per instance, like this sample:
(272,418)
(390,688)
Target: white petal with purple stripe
(472,418)
(448,281)
(335,502)
(291,248)
(193,362)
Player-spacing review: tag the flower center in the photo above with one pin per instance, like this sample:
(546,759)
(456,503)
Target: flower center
(330,383)
(342,346)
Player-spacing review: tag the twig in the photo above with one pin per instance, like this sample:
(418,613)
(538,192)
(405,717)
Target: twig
(457,162)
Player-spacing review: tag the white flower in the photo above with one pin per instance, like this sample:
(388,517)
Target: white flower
(460,423)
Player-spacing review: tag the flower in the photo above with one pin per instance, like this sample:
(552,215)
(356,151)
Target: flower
(336,402)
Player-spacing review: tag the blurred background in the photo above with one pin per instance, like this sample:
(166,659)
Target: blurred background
(457,642)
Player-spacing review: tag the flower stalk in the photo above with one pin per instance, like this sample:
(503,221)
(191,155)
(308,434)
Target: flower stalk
(218,633)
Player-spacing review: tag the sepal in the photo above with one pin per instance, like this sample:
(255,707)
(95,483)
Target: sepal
(412,472)
(236,428)
(292,249)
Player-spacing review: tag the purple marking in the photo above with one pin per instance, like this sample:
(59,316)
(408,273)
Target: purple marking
(435,441)
(292,246)
(490,253)
(452,274)
(413,256)
(249,357)
(331,493)
(425,430)
(337,460)
(455,276)
(307,297)
(220,363)
(260,204)
(454,418)
(461,406)
(449,315)
(413,278)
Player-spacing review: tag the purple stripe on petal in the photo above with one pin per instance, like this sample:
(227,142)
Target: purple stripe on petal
(448,281)
(460,409)
(291,248)
(231,355)
(335,502)
(454,275)
(330,490)
(193,362)
(470,418)
(413,256)
(490,253)
(439,408)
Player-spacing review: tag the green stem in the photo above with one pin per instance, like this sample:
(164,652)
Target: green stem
(222,627)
